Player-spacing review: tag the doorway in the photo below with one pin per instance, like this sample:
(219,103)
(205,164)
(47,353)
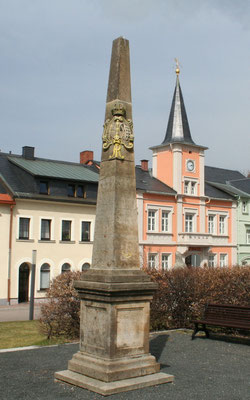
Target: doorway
(23,290)
(193,260)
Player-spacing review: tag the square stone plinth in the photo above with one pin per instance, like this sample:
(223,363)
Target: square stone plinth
(108,388)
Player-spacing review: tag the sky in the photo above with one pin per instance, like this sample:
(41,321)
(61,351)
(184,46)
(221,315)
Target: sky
(54,67)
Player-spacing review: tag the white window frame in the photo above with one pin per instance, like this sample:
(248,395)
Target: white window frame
(248,235)
(244,207)
(224,262)
(90,228)
(44,288)
(52,232)
(72,229)
(152,262)
(213,261)
(188,184)
(224,230)
(156,219)
(30,227)
(211,224)
(169,261)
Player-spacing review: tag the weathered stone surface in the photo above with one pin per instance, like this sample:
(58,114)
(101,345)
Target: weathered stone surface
(115,294)
(108,388)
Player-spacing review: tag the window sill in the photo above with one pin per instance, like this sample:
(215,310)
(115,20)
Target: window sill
(67,241)
(46,241)
(158,233)
(25,240)
(85,242)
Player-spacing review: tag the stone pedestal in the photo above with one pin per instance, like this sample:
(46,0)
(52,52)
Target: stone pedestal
(114,340)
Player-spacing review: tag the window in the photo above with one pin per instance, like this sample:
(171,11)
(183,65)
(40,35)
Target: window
(75,190)
(190,187)
(80,191)
(189,222)
(244,206)
(45,229)
(164,221)
(71,190)
(211,260)
(165,261)
(66,230)
(151,261)
(211,224)
(44,276)
(151,220)
(193,188)
(65,267)
(186,187)
(43,187)
(223,260)
(85,266)
(85,236)
(248,236)
(222,228)
(24,228)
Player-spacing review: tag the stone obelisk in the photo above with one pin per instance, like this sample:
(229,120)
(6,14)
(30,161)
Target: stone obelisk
(115,294)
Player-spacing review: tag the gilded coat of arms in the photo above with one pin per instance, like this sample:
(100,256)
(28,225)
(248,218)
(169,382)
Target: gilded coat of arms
(118,132)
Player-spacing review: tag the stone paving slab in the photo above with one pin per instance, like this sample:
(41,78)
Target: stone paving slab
(204,369)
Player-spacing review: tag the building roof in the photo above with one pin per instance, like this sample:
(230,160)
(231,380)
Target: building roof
(178,130)
(149,184)
(221,175)
(241,184)
(55,169)
(20,177)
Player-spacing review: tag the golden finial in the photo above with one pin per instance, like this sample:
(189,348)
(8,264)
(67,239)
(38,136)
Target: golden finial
(177,69)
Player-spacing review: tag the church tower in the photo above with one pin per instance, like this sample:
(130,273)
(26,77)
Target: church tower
(178,161)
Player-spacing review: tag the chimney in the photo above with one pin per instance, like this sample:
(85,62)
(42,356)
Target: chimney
(28,152)
(144,165)
(86,156)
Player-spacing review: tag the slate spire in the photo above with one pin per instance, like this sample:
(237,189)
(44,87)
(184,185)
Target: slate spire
(178,127)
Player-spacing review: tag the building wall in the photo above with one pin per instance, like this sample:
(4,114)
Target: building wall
(55,252)
(243,217)
(4,250)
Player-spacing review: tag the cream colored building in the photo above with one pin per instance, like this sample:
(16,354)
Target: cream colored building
(47,206)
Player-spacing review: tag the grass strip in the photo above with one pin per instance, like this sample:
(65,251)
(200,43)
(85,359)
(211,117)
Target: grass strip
(24,333)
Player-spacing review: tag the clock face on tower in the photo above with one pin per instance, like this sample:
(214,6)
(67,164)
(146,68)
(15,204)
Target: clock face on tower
(190,165)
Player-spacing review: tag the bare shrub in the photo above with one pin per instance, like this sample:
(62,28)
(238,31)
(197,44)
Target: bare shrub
(60,314)
(183,293)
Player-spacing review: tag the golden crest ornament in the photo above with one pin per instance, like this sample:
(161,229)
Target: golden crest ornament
(118,132)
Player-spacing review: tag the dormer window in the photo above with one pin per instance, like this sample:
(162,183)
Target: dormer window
(43,187)
(71,190)
(76,190)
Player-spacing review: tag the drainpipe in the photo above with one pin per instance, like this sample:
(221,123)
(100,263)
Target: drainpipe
(10,250)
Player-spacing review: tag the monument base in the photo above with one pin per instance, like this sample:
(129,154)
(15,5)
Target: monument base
(108,388)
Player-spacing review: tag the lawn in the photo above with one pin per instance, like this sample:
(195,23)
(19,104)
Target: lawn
(24,333)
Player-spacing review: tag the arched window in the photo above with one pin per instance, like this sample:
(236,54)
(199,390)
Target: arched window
(85,266)
(44,276)
(65,267)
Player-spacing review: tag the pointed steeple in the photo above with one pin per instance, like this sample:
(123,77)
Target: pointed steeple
(178,127)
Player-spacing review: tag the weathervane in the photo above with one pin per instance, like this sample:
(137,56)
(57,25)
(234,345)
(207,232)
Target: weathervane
(177,69)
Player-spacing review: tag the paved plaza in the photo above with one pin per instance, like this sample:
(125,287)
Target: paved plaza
(204,369)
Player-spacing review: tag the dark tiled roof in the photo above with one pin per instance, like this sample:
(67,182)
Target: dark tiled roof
(216,193)
(145,182)
(242,184)
(221,175)
(186,131)
(21,177)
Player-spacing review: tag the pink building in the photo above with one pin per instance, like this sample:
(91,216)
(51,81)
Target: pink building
(183,216)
